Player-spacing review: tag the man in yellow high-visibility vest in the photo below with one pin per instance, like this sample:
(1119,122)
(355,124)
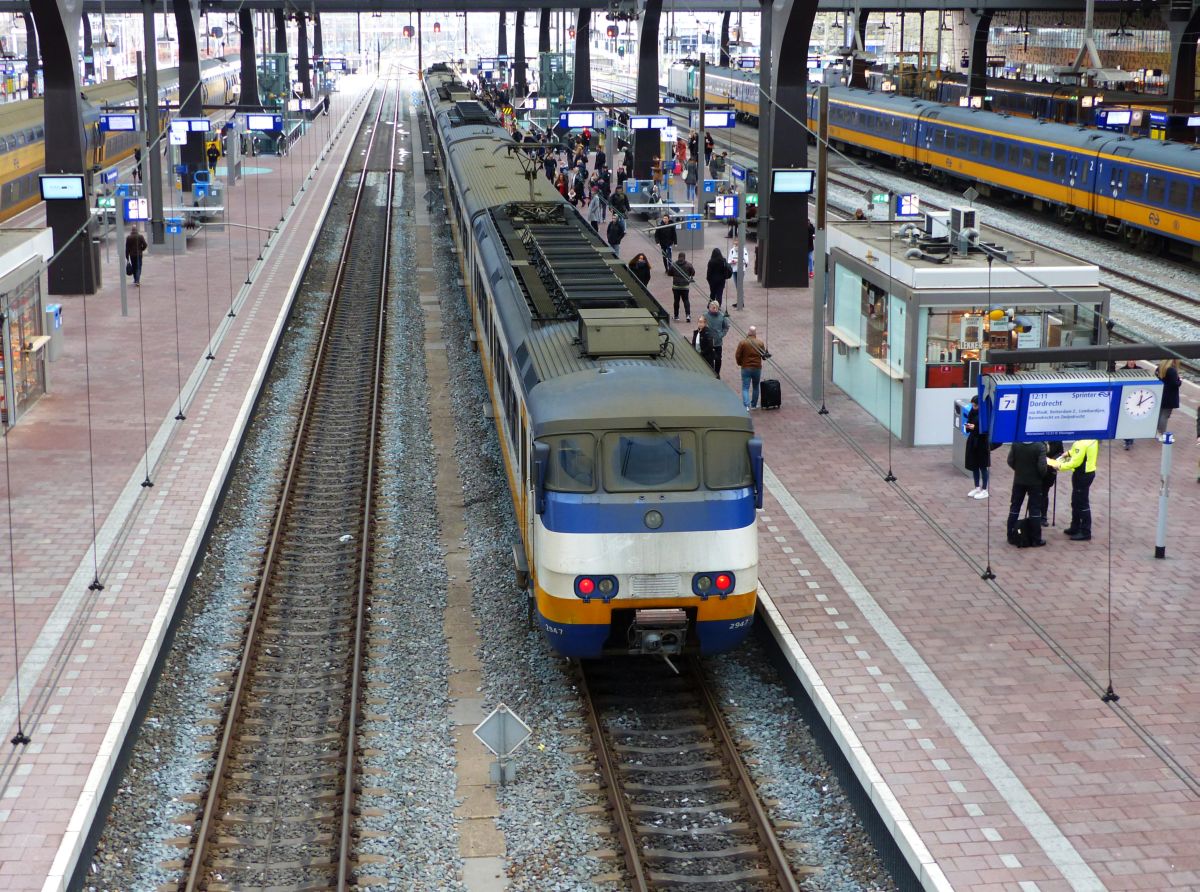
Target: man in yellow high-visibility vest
(1082,460)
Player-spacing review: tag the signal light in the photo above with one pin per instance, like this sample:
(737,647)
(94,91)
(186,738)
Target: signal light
(611,30)
(706,584)
(603,587)
(437,27)
(723,583)
(571,32)
(409,31)
(586,586)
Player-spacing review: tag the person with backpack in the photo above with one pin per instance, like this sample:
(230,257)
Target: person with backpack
(681,279)
(716,275)
(1029,464)
(615,232)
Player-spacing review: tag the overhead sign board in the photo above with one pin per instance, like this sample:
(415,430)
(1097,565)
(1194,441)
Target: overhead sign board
(648,122)
(110,176)
(715,120)
(264,122)
(692,222)
(1069,406)
(799,181)
(577,120)
(748,62)
(118,122)
(737,171)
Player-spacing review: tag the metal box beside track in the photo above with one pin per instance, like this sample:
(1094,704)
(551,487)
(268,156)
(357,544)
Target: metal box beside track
(621,331)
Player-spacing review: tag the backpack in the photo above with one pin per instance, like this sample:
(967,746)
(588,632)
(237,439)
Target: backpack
(728,270)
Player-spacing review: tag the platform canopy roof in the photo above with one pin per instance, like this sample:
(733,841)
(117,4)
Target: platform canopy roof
(447,6)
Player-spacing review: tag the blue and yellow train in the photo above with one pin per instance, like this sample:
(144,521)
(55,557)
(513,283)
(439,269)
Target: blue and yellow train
(22,133)
(634,473)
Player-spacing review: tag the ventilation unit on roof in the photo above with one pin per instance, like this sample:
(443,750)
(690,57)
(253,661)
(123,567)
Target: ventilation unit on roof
(624,331)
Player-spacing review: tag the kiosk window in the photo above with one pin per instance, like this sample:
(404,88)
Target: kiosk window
(875,311)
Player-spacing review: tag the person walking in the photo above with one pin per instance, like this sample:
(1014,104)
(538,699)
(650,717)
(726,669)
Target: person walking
(739,259)
(615,233)
(691,177)
(979,457)
(135,247)
(595,208)
(1028,461)
(702,341)
(620,203)
(1168,373)
(214,155)
(718,325)
(640,267)
(1081,459)
(749,358)
(717,274)
(665,237)
(682,275)
(137,164)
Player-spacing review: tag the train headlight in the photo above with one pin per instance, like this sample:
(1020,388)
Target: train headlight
(653,519)
(606,587)
(703,584)
(720,583)
(603,587)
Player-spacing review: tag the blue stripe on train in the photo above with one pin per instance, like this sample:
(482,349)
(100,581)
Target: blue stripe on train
(730,509)
(587,641)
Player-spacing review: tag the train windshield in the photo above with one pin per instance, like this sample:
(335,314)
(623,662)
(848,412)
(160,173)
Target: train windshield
(572,463)
(727,460)
(659,461)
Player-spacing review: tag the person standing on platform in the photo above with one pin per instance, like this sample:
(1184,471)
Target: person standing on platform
(691,177)
(718,272)
(739,259)
(135,247)
(214,155)
(979,457)
(708,147)
(682,274)
(1028,461)
(1082,460)
(640,267)
(1168,373)
(137,164)
(718,326)
(1054,449)
(749,358)
(666,239)
(600,159)
(702,341)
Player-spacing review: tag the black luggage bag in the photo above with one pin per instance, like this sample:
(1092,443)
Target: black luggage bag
(770,394)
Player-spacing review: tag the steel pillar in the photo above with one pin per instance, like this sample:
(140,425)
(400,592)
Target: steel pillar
(981,24)
(581,89)
(303,70)
(502,37)
(75,270)
(520,83)
(153,121)
(249,100)
(280,32)
(31,54)
(544,30)
(89,49)
(191,98)
(646,143)
(786,216)
(318,43)
(723,60)
(858,64)
(1184,28)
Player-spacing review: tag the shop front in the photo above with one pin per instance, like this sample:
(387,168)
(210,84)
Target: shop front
(24,342)
(912,327)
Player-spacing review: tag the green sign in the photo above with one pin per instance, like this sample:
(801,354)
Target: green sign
(879,198)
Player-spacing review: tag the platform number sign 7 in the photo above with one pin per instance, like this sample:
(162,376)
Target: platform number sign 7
(1008,403)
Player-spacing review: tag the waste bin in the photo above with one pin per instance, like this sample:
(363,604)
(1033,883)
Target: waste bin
(54,331)
(962,408)
(176,238)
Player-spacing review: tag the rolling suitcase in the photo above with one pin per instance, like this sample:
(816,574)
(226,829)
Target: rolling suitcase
(769,393)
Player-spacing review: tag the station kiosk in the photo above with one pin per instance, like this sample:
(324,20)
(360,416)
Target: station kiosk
(25,343)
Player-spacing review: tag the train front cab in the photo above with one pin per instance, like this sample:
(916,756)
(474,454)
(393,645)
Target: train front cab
(645,541)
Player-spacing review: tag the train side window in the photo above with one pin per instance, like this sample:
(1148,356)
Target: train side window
(1043,162)
(1136,186)
(1014,156)
(572,463)
(1060,166)
(1196,200)
(973,145)
(1026,159)
(1157,189)
(998,151)
(960,144)
(1177,194)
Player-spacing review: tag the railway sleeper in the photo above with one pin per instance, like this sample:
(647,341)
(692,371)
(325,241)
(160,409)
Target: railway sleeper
(724,830)
(681,879)
(228,842)
(682,729)
(719,784)
(729,852)
(228,863)
(702,809)
(707,765)
(677,748)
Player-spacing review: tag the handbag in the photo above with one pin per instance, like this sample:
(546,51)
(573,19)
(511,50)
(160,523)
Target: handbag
(129,267)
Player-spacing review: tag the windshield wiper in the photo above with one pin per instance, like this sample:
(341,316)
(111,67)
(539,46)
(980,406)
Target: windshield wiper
(652,424)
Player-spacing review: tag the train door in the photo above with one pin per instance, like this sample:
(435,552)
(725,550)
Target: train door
(1077,195)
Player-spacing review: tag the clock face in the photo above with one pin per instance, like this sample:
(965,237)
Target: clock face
(1140,402)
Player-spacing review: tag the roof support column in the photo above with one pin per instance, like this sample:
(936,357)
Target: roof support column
(981,26)
(785,217)
(858,61)
(191,97)
(280,32)
(502,37)
(724,58)
(581,89)
(303,70)
(646,143)
(75,271)
(31,55)
(249,100)
(520,82)
(1184,28)
(544,30)
(153,118)
(89,51)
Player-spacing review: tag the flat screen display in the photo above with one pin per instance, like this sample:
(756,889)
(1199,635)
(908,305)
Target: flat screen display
(62,187)
(648,122)
(718,119)
(798,182)
(120,122)
(1119,118)
(581,119)
(199,124)
(261,122)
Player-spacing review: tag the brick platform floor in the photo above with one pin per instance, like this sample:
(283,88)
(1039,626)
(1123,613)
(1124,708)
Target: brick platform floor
(972,710)
(85,653)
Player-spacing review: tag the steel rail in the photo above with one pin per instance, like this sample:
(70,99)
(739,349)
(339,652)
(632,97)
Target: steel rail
(207,823)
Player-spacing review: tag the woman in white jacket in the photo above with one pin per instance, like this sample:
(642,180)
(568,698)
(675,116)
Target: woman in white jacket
(738,257)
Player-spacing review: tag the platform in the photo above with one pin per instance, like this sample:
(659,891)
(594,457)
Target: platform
(86,653)
(971,710)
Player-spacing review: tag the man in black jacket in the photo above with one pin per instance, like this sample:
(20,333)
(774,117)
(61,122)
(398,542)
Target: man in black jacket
(664,235)
(1028,461)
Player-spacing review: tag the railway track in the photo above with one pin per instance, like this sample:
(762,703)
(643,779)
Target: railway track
(280,804)
(684,805)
